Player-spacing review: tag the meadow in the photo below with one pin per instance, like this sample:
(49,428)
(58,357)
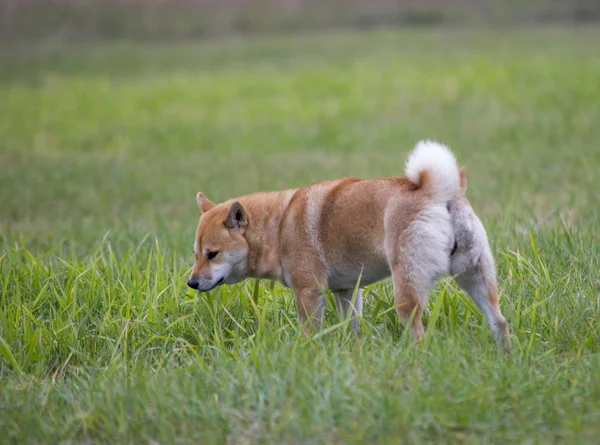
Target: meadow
(103,147)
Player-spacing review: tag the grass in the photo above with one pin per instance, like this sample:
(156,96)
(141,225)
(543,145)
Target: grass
(103,147)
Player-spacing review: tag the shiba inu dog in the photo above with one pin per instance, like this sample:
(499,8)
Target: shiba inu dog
(414,228)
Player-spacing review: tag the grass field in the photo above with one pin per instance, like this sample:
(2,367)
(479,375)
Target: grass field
(103,147)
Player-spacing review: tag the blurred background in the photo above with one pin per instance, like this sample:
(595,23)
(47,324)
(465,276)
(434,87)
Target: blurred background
(184,19)
(113,114)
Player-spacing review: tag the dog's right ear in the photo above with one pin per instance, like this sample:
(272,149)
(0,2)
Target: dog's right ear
(237,219)
(204,204)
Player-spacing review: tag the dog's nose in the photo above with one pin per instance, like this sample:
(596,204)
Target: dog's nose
(193,283)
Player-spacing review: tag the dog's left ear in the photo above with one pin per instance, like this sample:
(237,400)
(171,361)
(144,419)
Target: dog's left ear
(237,219)
(204,204)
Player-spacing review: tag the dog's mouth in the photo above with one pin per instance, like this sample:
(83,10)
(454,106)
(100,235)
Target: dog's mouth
(220,281)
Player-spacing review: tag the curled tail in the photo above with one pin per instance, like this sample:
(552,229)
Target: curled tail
(432,167)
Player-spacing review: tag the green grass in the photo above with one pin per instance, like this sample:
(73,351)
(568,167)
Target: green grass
(102,149)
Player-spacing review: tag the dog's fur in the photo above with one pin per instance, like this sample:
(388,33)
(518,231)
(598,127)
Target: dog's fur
(333,233)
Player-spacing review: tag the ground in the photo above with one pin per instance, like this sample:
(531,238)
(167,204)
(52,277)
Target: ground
(104,146)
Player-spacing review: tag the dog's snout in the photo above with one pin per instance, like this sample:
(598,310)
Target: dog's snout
(193,283)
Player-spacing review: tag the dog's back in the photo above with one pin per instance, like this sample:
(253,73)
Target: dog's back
(342,223)
(350,228)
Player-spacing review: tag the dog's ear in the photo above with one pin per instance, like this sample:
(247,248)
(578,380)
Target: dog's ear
(237,219)
(204,204)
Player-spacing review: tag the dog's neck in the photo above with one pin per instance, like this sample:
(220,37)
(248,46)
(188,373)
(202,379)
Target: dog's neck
(262,234)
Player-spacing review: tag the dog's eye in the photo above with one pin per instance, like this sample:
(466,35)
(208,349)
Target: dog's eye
(211,255)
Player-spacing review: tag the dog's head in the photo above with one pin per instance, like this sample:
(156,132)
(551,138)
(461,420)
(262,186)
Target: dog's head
(220,247)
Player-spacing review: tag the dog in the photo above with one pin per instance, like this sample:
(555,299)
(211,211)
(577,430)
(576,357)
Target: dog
(333,233)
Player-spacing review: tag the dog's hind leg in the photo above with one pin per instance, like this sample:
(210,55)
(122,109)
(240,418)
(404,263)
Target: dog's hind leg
(472,265)
(418,256)
(480,283)
(347,308)
(409,302)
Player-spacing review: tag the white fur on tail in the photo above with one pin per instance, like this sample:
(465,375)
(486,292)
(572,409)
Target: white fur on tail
(443,177)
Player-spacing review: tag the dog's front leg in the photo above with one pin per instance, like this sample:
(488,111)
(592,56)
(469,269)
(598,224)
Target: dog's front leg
(309,304)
